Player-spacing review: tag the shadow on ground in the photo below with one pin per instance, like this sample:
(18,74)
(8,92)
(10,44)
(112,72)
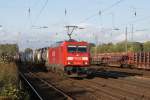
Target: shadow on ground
(31,68)
(110,74)
(91,72)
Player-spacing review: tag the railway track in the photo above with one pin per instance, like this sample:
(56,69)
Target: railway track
(109,90)
(97,88)
(42,89)
(127,91)
(31,86)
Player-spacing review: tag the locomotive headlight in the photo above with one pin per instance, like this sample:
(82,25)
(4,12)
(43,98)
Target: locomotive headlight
(86,63)
(69,58)
(68,62)
(84,58)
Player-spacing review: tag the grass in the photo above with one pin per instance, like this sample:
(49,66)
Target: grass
(9,81)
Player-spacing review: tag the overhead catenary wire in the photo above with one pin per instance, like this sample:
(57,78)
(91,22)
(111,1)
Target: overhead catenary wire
(102,11)
(28,13)
(136,21)
(64,23)
(29,10)
(40,12)
(99,13)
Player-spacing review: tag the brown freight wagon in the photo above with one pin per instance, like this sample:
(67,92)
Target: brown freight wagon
(110,59)
(140,60)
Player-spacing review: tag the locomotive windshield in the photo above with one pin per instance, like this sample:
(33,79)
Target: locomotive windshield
(82,48)
(77,49)
(72,48)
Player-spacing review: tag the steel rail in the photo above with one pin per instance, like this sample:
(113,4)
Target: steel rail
(50,85)
(35,91)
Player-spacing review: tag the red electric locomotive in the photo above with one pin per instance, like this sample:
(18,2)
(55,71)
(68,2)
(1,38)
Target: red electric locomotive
(71,57)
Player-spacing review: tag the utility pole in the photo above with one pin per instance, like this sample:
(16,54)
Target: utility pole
(132,32)
(126,40)
(18,39)
(96,43)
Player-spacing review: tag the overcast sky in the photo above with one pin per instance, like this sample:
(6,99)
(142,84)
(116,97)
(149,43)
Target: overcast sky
(97,17)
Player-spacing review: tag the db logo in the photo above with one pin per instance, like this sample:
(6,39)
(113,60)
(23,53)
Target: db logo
(53,53)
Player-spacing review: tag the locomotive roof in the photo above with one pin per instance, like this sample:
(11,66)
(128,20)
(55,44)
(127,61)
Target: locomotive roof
(64,42)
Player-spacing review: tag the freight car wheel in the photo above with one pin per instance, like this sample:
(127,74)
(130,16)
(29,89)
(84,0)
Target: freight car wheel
(131,66)
(48,69)
(124,66)
(121,66)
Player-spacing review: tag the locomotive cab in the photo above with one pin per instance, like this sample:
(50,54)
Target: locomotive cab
(77,59)
(77,55)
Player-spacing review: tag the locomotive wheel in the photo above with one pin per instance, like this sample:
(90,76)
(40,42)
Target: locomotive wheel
(61,73)
(52,69)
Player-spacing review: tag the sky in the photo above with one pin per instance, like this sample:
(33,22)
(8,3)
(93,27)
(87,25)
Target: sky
(21,21)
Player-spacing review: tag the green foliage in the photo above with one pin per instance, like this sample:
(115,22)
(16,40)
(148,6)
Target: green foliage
(9,83)
(9,49)
(146,46)
(7,52)
(91,47)
(120,47)
(10,90)
(135,47)
(132,47)
(8,80)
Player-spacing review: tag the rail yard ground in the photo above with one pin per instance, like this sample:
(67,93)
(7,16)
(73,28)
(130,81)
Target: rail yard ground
(105,83)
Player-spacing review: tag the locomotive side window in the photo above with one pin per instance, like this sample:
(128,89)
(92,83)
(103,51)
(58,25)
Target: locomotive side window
(82,48)
(72,48)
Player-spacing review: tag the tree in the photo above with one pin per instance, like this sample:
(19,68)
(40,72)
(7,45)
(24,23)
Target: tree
(118,47)
(9,49)
(92,48)
(146,46)
(135,47)
(132,47)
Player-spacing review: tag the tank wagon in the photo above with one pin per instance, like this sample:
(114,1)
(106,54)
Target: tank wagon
(25,57)
(39,56)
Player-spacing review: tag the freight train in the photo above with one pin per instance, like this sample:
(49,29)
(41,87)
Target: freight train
(71,57)
(140,60)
